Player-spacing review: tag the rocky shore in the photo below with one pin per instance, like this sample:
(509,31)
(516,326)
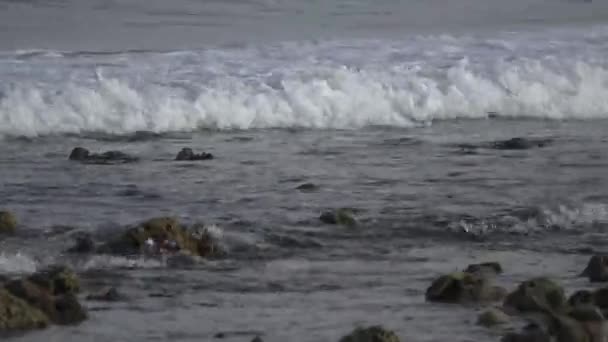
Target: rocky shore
(538,309)
(539,305)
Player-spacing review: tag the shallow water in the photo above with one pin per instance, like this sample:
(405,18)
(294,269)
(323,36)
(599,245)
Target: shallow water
(287,276)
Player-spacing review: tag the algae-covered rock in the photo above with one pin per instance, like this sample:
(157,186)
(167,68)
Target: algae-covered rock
(597,268)
(8,222)
(538,294)
(63,308)
(343,217)
(16,314)
(485,268)
(57,280)
(163,235)
(463,287)
(492,317)
(34,295)
(371,334)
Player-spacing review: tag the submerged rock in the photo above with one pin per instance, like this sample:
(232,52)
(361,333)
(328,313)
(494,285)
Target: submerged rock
(371,334)
(343,217)
(517,143)
(187,154)
(109,294)
(530,333)
(597,268)
(83,244)
(163,235)
(537,295)
(492,317)
(8,222)
(17,315)
(463,287)
(83,155)
(307,187)
(520,143)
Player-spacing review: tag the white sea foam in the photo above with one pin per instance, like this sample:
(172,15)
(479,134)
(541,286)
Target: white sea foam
(109,261)
(17,263)
(313,86)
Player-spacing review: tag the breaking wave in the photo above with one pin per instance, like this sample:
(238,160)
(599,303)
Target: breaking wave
(402,87)
(17,263)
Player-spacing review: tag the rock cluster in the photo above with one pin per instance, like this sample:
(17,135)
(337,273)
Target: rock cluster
(551,314)
(40,299)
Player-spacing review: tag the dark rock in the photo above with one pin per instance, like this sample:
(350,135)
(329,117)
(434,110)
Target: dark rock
(187,154)
(344,217)
(509,144)
(69,310)
(537,295)
(307,187)
(110,294)
(79,153)
(83,244)
(486,268)
(597,269)
(582,297)
(600,298)
(257,339)
(110,157)
(567,329)
(17,315)
(586,313)
(520,144)
(8,222)
(371,334)
(462,287)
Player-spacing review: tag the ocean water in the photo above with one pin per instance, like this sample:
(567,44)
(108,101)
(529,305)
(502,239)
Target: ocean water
(371,101)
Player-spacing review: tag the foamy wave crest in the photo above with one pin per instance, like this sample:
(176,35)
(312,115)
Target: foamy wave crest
(325,97)
(108,261)
(17,263)
(560,217)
